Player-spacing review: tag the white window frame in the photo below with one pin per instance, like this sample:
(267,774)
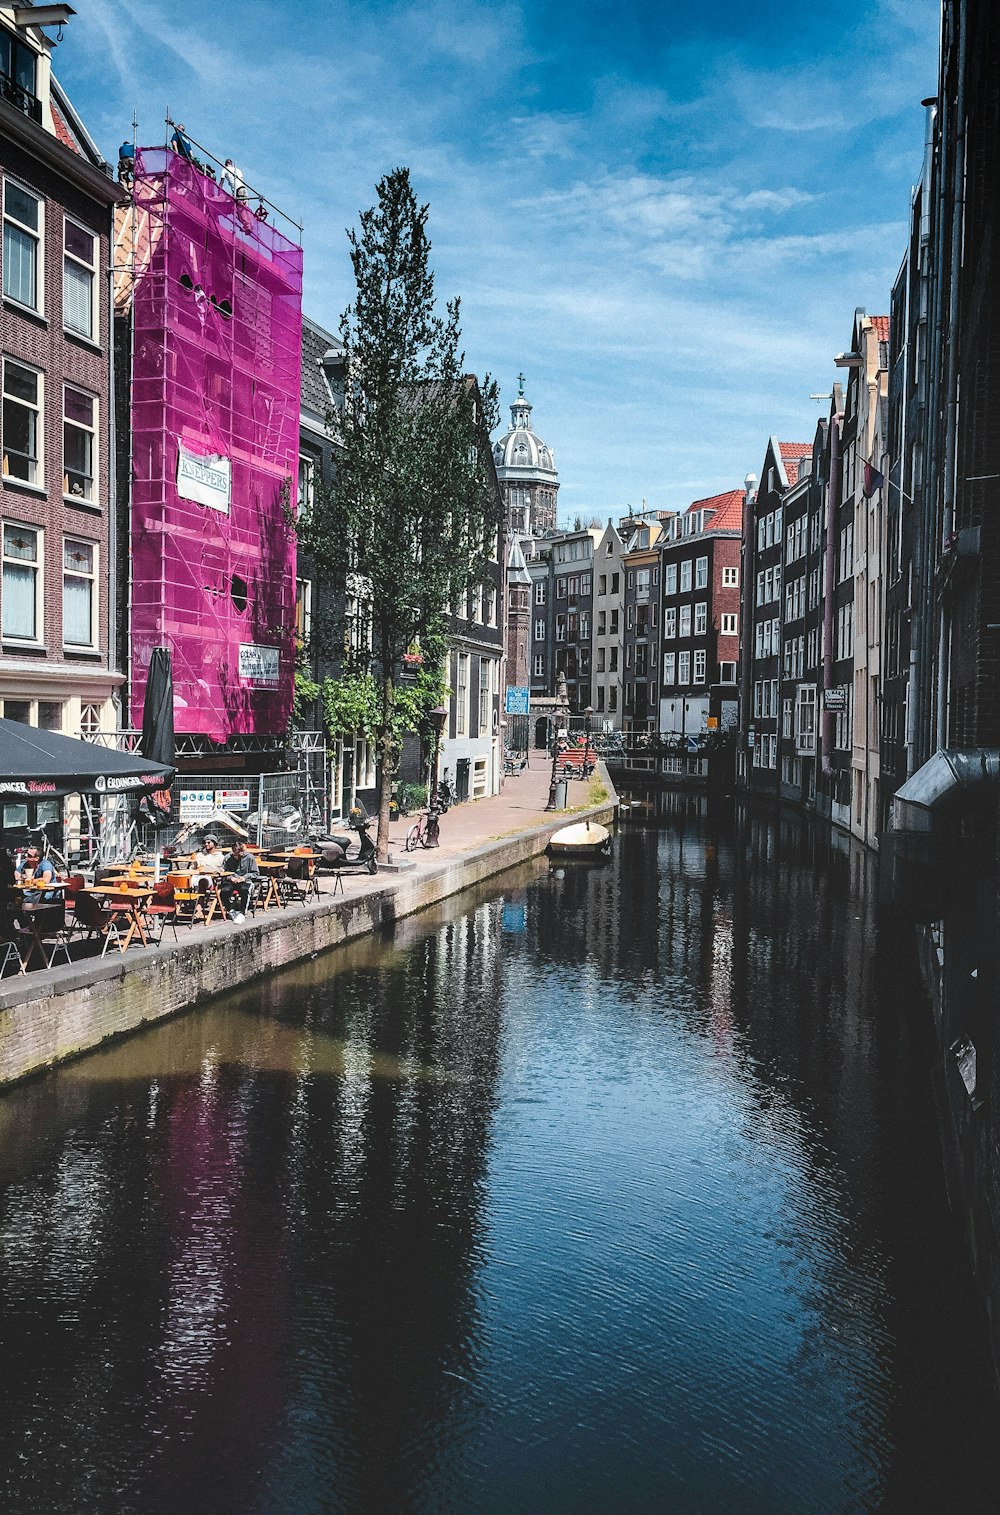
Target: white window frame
(303,610)
(701,618)
(90,578)
(684,668)
(37,565)
(669,668)
(37,235)
(93,431)
(92,270)
(670,579)
(686,576)
(729,625)
(538,667)
(701,573)
(684,628)
(38,481)
(730,578)
(700,664)
(670,621)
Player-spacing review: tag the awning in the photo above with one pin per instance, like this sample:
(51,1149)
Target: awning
(38,764)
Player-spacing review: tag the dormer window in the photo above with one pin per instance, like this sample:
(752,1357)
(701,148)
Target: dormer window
(19,76)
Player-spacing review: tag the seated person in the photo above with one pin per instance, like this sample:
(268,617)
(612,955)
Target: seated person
(36,867)
(236,891)
(208,860)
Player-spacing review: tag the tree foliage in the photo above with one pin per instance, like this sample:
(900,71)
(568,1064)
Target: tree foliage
(413,515)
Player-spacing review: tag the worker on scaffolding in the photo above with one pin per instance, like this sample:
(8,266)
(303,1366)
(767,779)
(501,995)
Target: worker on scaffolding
(180,144)
(126,164)
(232,179)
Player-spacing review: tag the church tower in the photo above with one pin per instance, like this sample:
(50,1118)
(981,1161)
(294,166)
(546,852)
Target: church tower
(527,472)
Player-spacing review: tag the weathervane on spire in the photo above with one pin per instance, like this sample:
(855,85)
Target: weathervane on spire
(520,386)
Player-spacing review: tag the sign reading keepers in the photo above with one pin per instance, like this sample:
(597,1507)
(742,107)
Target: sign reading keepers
(259,665)
(207,481)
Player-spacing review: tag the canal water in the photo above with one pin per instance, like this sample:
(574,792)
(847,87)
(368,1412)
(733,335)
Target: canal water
(604,1188)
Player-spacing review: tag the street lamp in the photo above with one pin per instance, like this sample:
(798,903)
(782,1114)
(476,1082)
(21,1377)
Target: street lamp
(562,705)
(586,738)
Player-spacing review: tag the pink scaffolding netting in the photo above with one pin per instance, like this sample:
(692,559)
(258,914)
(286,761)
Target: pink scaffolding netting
(217,338)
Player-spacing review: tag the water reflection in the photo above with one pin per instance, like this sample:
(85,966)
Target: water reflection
(606,1190)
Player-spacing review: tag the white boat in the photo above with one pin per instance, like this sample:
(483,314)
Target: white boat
(582,839)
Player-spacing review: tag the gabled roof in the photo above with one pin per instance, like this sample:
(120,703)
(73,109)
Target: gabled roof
(881,325)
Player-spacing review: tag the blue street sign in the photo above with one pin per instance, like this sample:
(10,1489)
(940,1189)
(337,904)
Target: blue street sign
(517,700)
(693,744)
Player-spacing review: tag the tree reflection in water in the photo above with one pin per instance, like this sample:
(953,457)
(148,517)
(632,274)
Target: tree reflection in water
(610,1185)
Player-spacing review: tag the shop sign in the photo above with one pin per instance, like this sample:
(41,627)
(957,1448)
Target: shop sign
(835,699)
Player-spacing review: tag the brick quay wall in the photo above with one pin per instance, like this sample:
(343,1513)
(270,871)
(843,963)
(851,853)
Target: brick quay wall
(47,1017)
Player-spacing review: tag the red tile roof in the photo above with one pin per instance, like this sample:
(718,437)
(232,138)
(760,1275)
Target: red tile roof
(727,510)
(792,455)
(881,325)
(62,129)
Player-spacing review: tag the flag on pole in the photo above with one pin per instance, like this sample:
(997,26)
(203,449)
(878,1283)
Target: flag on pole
(873,480)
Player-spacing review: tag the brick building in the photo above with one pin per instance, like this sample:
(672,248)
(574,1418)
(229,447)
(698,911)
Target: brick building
(761,615)
(700,558)
(57,667)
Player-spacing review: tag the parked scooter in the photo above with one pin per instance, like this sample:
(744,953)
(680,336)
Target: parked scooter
(443,797)
(335,850)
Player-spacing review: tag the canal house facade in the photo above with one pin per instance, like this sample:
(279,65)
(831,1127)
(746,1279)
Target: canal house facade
(208,301)
(700,565)
(57,657)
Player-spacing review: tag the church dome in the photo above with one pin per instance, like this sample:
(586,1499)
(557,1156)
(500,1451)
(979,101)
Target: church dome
(519,453)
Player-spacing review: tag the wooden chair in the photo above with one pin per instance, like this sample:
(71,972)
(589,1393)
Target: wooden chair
(187,907)
(10,951)
(97,921)
(161,911)
(298,882)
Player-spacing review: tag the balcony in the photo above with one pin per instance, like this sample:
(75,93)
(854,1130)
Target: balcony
(21,99)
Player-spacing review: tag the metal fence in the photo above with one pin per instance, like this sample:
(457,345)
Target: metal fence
(270,809)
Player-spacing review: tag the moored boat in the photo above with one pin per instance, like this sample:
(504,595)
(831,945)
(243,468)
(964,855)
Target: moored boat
(582,839)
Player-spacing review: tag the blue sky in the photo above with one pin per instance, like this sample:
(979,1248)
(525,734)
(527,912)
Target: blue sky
(663,214)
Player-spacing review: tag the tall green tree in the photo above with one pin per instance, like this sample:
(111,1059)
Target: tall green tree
(412,518)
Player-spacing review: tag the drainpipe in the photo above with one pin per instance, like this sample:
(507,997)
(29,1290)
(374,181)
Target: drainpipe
(832,490)
(950,464)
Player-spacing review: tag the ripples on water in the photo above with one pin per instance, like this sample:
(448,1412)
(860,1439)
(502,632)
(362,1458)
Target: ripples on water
(603,1189)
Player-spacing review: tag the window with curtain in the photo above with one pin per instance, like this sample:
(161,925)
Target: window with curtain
(79,279)
(78,443)
(22,552)
(22,422)
(78,593)
(23,219)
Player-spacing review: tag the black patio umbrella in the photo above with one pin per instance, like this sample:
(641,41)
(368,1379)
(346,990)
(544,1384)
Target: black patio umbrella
(36,764)
(157,741)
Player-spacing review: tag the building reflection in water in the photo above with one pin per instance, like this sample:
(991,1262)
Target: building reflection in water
(600,1173)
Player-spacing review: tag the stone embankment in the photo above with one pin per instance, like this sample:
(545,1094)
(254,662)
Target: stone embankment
(49,1016)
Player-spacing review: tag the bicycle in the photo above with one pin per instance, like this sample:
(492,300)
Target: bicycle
(424,832)
(39,837)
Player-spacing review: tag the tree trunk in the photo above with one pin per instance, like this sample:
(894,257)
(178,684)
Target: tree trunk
(386,767)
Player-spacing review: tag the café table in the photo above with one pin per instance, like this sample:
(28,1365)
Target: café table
(271,869)
(129,902)
(33,915)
